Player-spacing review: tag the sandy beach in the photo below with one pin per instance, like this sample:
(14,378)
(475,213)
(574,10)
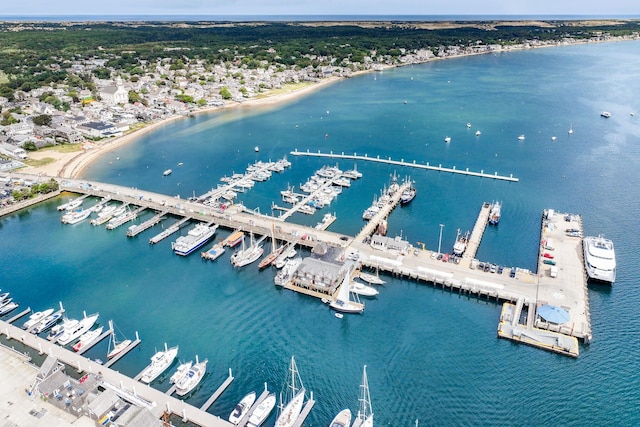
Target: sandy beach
(71,164)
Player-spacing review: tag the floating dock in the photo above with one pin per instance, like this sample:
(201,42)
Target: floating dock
(123,353)
(19,315)
(169,231)
(132,232)
(218,392)
(401,162)
(244,420)
(305,412)
(96,341)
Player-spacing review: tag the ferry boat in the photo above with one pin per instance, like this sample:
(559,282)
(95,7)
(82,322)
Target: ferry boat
(182,370)
(87,338)
(80,328)
(242,408)
(599,259)
(159,363)
(192,378)
(35,318)
(195,238)
(262,412)
(494,213)
(343,419)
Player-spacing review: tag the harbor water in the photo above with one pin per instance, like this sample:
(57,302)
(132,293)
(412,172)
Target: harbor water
(430,354)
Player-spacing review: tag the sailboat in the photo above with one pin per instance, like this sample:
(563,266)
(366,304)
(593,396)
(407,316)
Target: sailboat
(365,412)
(246,256)
(343,301)
(372,279)
(275,252)
(290,412)
(116,347)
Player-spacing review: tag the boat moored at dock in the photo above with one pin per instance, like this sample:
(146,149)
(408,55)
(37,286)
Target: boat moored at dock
(242,408)
(159,363)
(599,259)
(195,238)
(182,370)
(192,378)
(35,318)
(494,213)
(80,328)
(343,419)
(295,392)
(87,339)
(262,412)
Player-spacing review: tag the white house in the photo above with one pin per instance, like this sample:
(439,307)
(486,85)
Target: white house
(114,95)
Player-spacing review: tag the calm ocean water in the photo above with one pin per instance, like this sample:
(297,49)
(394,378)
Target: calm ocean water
(431,355)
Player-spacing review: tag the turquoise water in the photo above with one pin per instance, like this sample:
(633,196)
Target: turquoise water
(431,355)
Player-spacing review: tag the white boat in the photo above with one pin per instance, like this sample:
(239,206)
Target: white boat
(605,114)
(80,328)
(262,412)
(295,393)
(478,133)
(214,253)
(35,318)
(8,307)
(159,363)
(447,139)
(521,138)
(599,258)
(365,412)
(116,347)
(245,256)
(58,330)
(287,272)
(195,238)
(372,279)
(288,252)
(87,339)
(242,408)
(460,244)
(343,302)
(343,419)
(167,172)
(192,378)
(76,216)
(182,370)
(494,213)
(70,205)
(48,321)
(570,129)
(362,289)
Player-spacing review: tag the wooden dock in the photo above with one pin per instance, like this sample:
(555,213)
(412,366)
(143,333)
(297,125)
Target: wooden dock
(218,392)
(132,232)
(414,164)
(478,231)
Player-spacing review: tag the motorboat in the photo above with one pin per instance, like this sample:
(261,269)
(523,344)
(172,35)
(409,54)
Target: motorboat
(242,408)
(447,139)
(167,172)
(35,318)
(362,289)
(521,138)
(87,339)
(192,378)
(599,259)
(182,370)
(80,328)
(605,114)
(4,296)
(8,308)
(235,238)
(494,213)
(75,217)
(262,412)
(290,412)
(57,330)
(71,204)
(48,322)
(343,419)
(288,252)
(287,272)
(159,363)
(195,238)
(478,133)
(372,279)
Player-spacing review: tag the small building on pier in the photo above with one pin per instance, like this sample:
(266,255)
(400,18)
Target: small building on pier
(318,275)
(384,243)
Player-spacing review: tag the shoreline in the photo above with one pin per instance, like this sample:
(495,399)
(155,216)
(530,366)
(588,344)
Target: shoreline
(71,165)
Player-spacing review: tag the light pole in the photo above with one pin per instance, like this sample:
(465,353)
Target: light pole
(440,240)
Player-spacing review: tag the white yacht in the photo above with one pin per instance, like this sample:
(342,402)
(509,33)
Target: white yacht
(242,408)
(182,370)
(362,289)
(81,327)
(287,272)
(58,330)
(35,318)
(262,412)
(159,363)
(195,238)
(599,258)
(343,419)
(75,217)
(192,378)
(87,339)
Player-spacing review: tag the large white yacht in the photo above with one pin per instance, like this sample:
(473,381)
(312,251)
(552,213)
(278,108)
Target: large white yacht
(159,363)
(195,238)
(599,258)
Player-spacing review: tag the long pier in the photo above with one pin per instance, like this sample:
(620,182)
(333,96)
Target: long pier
(414,164)
(478,230)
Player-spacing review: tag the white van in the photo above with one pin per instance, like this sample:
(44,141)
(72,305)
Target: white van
(553,271)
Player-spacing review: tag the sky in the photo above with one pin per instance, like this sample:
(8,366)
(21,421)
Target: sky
(320,7)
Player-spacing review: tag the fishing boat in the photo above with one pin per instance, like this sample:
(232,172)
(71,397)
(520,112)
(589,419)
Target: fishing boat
(116,347)
(494,213)
(294,394)
(460,244)
(241,409)
(35,318)
(87,339)
(182,370)
(195,238)
(362,289)
(343,302)
(408,195)
(343,419)
(599,259)
(192,378)
(80,328)
(262,412)
(159,363)
(214,253)
(365,412)
(247,255)
(287,272)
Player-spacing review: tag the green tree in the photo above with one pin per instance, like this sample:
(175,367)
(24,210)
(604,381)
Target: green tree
(225,93)
(30,146)
(42,120)
(133,97)
(202,102)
